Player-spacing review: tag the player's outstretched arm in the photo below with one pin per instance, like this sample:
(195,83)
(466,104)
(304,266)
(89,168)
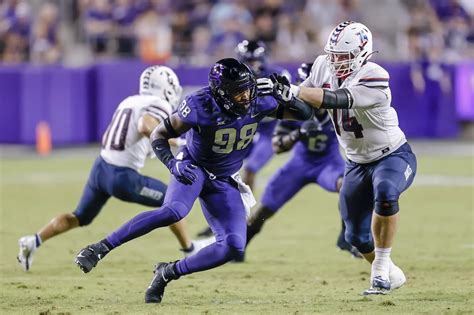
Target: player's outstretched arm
(146,125)
(289,107)
(322,98)
(315,97)
(172,127)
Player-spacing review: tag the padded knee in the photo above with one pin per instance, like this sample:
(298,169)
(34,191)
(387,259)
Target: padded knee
(235,244)
(386,189)
(386,208)
(363,242)
(177,208)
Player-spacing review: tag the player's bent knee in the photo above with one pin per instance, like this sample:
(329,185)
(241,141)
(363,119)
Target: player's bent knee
(235,244)
(363,243)
(177,209)
(386,208)
(84,218)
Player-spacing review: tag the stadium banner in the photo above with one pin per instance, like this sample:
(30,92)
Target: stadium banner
(78,103)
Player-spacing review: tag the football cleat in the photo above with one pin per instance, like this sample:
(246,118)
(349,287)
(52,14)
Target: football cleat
(164,273)
(27,250)
(379,286)
(89,256)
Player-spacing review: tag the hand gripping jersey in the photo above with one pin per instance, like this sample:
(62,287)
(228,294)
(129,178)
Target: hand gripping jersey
(217,141)
(122,144)
(369,129)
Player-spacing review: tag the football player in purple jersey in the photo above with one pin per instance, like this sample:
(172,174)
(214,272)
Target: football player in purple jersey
(220,121)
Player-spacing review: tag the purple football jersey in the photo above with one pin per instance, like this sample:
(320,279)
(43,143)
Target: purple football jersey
(323,145)
(218,141)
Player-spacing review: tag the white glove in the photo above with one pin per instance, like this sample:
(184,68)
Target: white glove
(264,87)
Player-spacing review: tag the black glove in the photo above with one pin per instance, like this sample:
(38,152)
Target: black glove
(183,171)
(309,129)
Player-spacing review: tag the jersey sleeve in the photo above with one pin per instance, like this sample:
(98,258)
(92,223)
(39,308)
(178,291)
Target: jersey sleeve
(266,105)
(188,111)
(316,75)
(371,88)
(158,109)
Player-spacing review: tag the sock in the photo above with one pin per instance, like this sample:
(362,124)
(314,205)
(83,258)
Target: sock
(38,240)
(189,249)
(381,263)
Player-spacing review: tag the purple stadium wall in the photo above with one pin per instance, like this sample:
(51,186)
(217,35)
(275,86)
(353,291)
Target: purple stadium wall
(78,102)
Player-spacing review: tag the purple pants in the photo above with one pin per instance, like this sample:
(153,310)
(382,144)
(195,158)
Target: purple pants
(222,207)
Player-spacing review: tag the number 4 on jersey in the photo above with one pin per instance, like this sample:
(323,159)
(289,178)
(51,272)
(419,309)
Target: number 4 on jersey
(349,124)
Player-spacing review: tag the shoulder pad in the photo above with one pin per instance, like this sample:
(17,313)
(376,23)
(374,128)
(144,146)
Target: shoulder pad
(372,75)
(158,108)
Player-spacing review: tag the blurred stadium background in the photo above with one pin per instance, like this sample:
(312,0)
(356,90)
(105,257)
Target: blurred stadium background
(66,64)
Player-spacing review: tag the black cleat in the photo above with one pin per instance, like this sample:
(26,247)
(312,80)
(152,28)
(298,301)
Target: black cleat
(239,259)
(89,256)
(164,273)
(344,245)
(207,232)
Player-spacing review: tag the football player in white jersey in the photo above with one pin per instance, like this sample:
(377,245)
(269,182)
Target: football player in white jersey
(125,146)
(380,164)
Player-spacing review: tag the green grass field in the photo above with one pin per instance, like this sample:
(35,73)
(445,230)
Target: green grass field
(293,267)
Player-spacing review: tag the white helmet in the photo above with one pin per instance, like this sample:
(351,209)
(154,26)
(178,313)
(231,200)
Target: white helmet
(348,48)
(161,81)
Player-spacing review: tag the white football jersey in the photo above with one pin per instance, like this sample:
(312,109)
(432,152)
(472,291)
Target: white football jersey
(122,143)
(369,129)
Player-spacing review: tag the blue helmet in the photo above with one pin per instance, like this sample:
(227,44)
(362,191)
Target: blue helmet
(253,53)
(233,86)
(303,72)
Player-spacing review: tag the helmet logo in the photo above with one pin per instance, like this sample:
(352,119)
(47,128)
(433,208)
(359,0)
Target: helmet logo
(146,77)
(363,38)
(338,30)
(217,69)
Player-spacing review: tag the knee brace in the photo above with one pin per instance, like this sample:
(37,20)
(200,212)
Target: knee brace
(386,208)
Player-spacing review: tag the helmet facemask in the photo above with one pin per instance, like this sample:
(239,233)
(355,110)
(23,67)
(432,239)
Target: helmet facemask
(342,64)
(240,99)
(348,47)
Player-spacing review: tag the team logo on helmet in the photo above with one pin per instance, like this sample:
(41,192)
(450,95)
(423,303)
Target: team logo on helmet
(364,39)
(338,30)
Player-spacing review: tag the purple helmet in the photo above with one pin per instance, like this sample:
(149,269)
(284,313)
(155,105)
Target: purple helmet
(303,72)
(233,86)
